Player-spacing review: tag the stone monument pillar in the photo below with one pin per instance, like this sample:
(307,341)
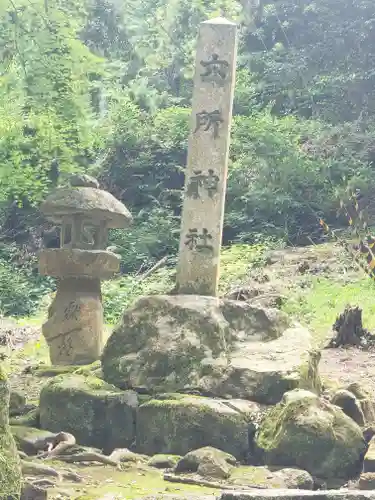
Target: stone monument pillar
(206,172)
(74,329)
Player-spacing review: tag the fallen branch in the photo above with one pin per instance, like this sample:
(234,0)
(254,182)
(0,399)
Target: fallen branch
(154,268)
(175,478)
(87,456)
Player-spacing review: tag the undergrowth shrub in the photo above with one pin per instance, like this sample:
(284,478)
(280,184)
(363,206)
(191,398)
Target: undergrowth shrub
(22,288)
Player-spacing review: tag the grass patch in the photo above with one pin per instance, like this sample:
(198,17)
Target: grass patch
(318,306)
(134,483)
(236,262)
(120,294)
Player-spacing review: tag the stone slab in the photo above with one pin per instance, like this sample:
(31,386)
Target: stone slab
(73,262)
(297,495)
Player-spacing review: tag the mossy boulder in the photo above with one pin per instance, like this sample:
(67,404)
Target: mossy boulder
(207,462)
(225,348)
(272,478)
(96,413)
(10,469)
(161,461)
(306,431)
(179,424)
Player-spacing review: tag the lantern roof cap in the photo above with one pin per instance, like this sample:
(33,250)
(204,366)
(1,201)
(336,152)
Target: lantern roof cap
(90,203)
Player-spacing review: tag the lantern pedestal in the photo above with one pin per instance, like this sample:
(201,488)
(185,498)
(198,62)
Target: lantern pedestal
(74,329)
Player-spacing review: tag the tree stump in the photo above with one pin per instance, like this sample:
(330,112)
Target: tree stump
(349,329)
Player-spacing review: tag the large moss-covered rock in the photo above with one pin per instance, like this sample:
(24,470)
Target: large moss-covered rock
(10,470)
(220,347)
(306,431)
(96,413)
(179,424)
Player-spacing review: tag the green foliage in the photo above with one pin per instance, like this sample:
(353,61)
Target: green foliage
(47,123)
(105,87)
(21,287)
(121,293)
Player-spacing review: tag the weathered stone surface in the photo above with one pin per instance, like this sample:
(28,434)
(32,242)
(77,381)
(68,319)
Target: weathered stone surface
(184,423)
(367,481)
(26,438)
(30,419)
(96,413)
(10,470)
(161,461)
(208,462)
(297,495)
(349,404)
(32,492)
(83,180)
(74,330)
(369,461)
(207,162)
(265,477)
(17,403)
(214,468)
(295,478)
(90,203)
(75,262)
(366,400)
(220,347)
(310,433)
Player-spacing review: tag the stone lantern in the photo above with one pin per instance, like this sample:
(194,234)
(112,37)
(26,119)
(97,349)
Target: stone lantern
(74,329)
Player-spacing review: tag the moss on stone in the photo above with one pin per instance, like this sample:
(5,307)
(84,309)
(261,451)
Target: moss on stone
(309,372)
(30,419)
(163,461)
(10,470)
(178,426)
(312,434)
(96,413)
(3,376)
